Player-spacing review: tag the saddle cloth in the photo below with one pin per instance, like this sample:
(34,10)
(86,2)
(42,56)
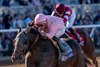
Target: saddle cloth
(69,51)
(66,55)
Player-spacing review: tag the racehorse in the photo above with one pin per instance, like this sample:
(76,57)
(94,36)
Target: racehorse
(87,46)
(41,52)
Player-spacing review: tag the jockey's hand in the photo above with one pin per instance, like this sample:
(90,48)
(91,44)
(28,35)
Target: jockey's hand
(43,34)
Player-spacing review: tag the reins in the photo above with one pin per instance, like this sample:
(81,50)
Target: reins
(32,44)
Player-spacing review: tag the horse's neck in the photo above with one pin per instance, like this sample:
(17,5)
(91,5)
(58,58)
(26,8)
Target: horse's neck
(42,45)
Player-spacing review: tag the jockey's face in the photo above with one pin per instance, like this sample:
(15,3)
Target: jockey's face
(42,26)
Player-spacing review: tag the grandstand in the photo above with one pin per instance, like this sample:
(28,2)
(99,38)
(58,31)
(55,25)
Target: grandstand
(18,13)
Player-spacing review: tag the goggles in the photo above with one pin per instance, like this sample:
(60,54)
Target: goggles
(41,24)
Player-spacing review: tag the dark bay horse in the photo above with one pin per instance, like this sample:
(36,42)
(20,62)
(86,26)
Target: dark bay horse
(88,45)
(41,52)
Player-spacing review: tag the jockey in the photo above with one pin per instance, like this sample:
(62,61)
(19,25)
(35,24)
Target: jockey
(50,26)
(68,16)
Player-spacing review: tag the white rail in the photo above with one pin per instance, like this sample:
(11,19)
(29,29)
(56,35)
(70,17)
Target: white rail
(10,30)
(86,26)
(82,26)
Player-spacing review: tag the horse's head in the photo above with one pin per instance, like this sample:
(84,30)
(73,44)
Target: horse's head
(24,42)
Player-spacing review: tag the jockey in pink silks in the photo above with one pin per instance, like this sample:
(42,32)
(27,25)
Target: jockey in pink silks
(50,26)
(68,15)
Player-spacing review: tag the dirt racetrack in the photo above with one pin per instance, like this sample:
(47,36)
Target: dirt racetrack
(8,63)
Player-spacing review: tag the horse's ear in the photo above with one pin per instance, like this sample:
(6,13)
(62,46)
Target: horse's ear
(31,23)
(19,30)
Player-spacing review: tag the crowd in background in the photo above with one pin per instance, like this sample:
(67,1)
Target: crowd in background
(19,13)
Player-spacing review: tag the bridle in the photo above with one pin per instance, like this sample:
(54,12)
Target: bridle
(21,49)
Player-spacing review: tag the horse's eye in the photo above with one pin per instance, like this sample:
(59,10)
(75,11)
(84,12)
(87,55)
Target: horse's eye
(14,41)
(25,42)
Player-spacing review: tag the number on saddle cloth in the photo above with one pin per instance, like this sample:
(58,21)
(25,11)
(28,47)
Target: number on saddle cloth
(68,53)
(66,47)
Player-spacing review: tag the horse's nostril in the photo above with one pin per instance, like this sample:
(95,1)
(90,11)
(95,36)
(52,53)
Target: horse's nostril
(13,58)
(17,59)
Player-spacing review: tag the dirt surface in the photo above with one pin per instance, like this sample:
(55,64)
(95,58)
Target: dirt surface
(8,63)
(98,58)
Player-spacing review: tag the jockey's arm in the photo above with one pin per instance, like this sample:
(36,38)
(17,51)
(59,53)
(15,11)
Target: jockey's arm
(53,13)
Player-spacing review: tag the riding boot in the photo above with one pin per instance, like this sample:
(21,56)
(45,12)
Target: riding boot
(74,33)
(61,46)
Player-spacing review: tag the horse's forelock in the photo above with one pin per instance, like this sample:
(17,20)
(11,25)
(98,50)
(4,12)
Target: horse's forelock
(32,30)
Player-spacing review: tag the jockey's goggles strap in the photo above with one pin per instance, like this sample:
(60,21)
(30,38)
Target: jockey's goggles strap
(40,25)
(42,22)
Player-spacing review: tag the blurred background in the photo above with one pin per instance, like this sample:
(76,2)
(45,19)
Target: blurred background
(18,13)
